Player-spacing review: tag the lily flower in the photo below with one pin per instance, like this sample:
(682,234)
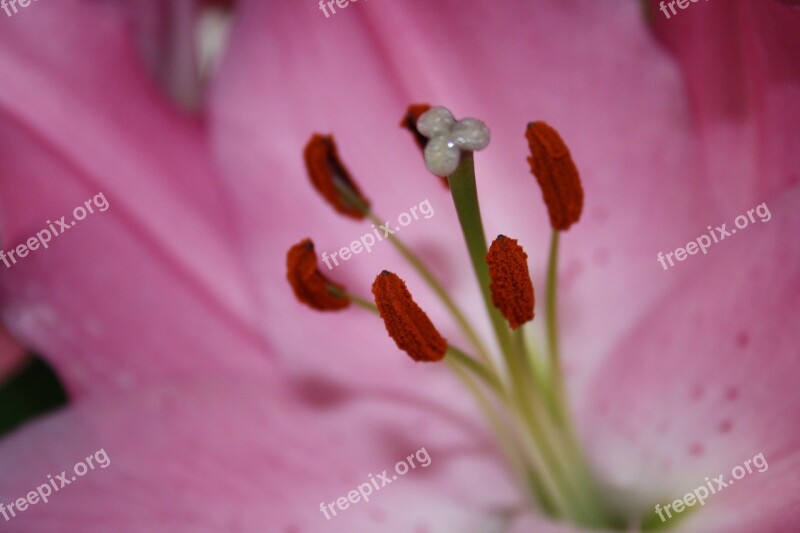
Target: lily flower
(225,404)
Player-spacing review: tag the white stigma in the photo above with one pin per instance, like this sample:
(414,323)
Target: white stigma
(448,138)
(442,156)
(435,122)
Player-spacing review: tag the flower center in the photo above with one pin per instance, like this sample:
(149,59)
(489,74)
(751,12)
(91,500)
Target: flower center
(521,392)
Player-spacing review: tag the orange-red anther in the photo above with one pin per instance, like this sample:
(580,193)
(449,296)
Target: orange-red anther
(409,122)
(407,324)
(330,176)
(557,175)
(512,289)
(308,283)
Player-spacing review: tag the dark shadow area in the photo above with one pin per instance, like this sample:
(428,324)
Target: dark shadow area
(33,390)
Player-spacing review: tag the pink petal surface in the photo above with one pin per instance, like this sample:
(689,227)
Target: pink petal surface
(246,455)
(715,382)
(126,291)
(740,60)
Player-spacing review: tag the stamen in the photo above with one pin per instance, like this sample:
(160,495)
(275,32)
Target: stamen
(406,322)
(309,284)
(557,175)
(512,289)
(332,179)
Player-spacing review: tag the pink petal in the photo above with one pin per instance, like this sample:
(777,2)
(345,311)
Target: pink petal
(745,95)
(538,524)
(713,374)
(126,292)
(243,456)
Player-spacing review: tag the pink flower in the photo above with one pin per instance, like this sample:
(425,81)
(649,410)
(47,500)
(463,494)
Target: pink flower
(224,405)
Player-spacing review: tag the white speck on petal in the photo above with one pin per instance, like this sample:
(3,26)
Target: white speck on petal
(35,316)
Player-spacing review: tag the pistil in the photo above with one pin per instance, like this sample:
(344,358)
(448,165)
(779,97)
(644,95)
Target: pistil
(465,199)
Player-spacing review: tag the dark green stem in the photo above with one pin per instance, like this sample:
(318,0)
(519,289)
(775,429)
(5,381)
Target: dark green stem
(465,198)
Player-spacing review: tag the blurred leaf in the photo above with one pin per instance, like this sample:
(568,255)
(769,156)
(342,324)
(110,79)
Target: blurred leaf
(29,393)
